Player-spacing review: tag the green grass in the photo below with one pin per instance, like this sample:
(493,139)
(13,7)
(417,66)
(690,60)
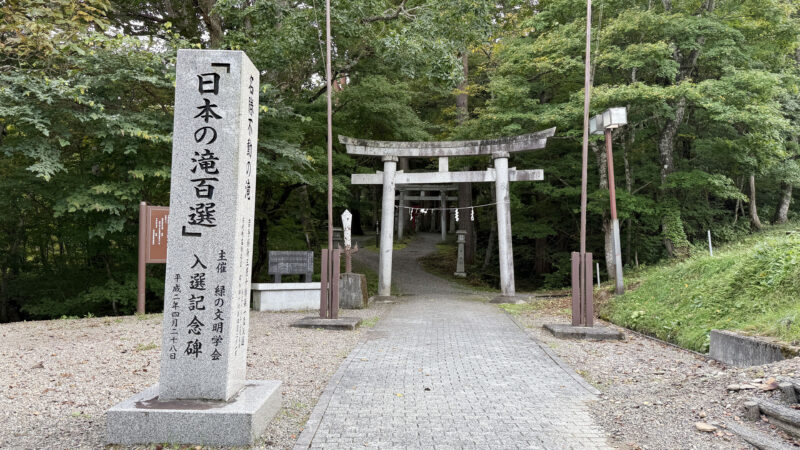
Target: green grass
(751,286)
(516,309)
(370,322)
(145,347)
(396,246)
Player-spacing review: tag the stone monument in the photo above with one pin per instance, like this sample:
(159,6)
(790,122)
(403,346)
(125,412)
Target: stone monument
(352,286)
(202,396)
(461,237)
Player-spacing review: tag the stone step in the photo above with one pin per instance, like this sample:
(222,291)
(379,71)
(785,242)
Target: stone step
(756,438)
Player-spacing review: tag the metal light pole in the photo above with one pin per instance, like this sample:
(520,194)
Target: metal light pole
(610,119)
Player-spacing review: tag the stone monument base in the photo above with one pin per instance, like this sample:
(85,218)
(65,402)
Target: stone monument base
(597,333)
(143,419)
(285,296)
(353,291)
(342,323)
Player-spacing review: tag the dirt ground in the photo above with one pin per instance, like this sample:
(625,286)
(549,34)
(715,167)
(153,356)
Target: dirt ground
(59,377)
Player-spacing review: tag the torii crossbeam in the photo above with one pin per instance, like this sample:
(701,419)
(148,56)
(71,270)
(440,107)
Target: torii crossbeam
(501,175)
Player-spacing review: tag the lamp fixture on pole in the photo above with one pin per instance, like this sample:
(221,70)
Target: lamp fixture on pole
(603,123)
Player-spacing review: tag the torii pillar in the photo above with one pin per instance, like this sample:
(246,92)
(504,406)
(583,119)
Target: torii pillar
(387,230)
(504,247)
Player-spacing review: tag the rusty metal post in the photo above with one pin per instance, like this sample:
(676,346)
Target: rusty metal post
(588,300)
(334,310)
(323,285)
(142,269)
(576,289)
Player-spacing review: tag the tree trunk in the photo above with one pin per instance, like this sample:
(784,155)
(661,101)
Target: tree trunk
(261,242)
(464,203)
(666,142)
(490,250)
(307,221)
(666,149)
(782,211)
(755,223)
(3,295)
(462,109)
(738,202)
(540,265)
(212,21)
(629,190)
(465,189)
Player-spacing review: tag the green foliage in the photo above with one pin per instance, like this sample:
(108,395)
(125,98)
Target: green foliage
(749,286)
(86,92)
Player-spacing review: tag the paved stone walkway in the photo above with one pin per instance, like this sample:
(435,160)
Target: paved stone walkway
(447,370)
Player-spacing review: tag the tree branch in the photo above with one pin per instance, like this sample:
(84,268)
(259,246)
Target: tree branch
(285,196)
(389,15)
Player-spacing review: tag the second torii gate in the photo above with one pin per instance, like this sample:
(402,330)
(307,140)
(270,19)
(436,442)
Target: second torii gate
(501,175)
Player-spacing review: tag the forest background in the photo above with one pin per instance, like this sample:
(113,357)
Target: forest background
(86,91)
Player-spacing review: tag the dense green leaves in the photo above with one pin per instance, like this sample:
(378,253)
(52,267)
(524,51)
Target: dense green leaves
(86,91)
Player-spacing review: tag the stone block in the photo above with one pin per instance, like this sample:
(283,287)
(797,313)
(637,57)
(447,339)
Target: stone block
(144,419)
(740,350)
(285,296)
(342,323)
(353,291)
(597,333)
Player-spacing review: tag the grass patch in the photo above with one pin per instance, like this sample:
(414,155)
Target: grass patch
(442,263)
(750,286)
(145,347)
(398,245)
(370,322)
(516,309)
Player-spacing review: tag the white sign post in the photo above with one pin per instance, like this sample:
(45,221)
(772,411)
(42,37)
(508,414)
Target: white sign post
(347,225)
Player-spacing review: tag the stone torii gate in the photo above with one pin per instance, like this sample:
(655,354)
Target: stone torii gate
(501,175)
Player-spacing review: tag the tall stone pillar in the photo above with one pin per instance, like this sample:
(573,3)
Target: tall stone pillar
(387,231)
(207,289)
(504,224)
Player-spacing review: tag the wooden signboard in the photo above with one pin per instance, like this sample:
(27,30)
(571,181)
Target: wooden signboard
(153,223)
(157,223)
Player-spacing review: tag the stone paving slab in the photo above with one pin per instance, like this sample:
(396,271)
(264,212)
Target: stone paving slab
(450,371)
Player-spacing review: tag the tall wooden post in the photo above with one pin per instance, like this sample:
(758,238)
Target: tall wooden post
(142,272)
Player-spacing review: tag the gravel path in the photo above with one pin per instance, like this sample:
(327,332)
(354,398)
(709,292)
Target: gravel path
(653,393)
(59,377)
